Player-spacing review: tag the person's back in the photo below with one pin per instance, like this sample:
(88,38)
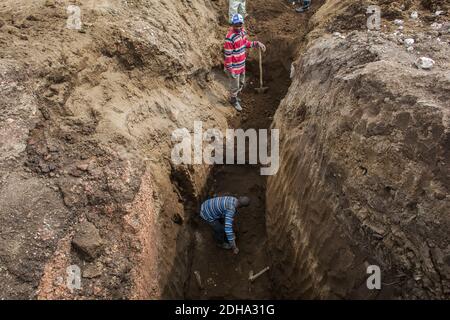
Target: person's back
(216,208)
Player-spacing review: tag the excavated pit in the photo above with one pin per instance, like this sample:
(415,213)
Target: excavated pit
(225,275)
(92,135)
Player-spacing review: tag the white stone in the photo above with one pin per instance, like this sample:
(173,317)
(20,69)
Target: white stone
(438,13)
(338,34)
(414,15)
(436,26)
(425,63)
(398,22)
(409,42)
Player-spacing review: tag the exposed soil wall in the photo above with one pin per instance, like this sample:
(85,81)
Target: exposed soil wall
(86,121)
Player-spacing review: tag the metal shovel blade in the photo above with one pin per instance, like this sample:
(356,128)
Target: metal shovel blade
(262,90)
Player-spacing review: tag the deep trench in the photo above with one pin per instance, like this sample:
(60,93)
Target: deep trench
(225,275)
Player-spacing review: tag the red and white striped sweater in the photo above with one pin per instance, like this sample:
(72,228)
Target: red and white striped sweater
(235,46)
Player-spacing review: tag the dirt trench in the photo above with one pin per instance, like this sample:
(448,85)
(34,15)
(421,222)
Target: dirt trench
(86,127)
(225,275)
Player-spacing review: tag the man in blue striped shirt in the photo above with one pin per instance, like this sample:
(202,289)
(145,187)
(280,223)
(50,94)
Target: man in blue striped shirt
(219,209)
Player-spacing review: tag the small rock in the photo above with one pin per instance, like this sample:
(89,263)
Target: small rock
(436,26)
(83,166)
(50,3)
(409,42)
(414,15)
(92,271)
(75,172)
(87,241)
(44,168)
(398,22)
(424,63)
(438,13)
(339,35)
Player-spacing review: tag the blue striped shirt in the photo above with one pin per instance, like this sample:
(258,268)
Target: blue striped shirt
(221,207)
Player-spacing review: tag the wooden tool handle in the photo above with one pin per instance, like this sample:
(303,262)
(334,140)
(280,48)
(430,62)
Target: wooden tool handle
(260,69)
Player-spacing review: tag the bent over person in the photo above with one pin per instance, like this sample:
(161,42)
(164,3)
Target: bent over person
(219,212)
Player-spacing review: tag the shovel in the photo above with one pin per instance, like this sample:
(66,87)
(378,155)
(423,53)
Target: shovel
(261,89)
(252,277)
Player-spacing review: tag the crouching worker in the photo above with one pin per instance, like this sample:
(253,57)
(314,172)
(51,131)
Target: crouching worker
(235,46)
(219,212)
(236,6)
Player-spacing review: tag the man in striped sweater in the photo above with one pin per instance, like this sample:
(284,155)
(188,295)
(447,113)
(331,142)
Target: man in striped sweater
(219,212)
(235,46)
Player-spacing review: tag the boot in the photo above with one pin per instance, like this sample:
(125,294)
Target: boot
(302,9)
(306,5)
(224,245)
(235,102)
